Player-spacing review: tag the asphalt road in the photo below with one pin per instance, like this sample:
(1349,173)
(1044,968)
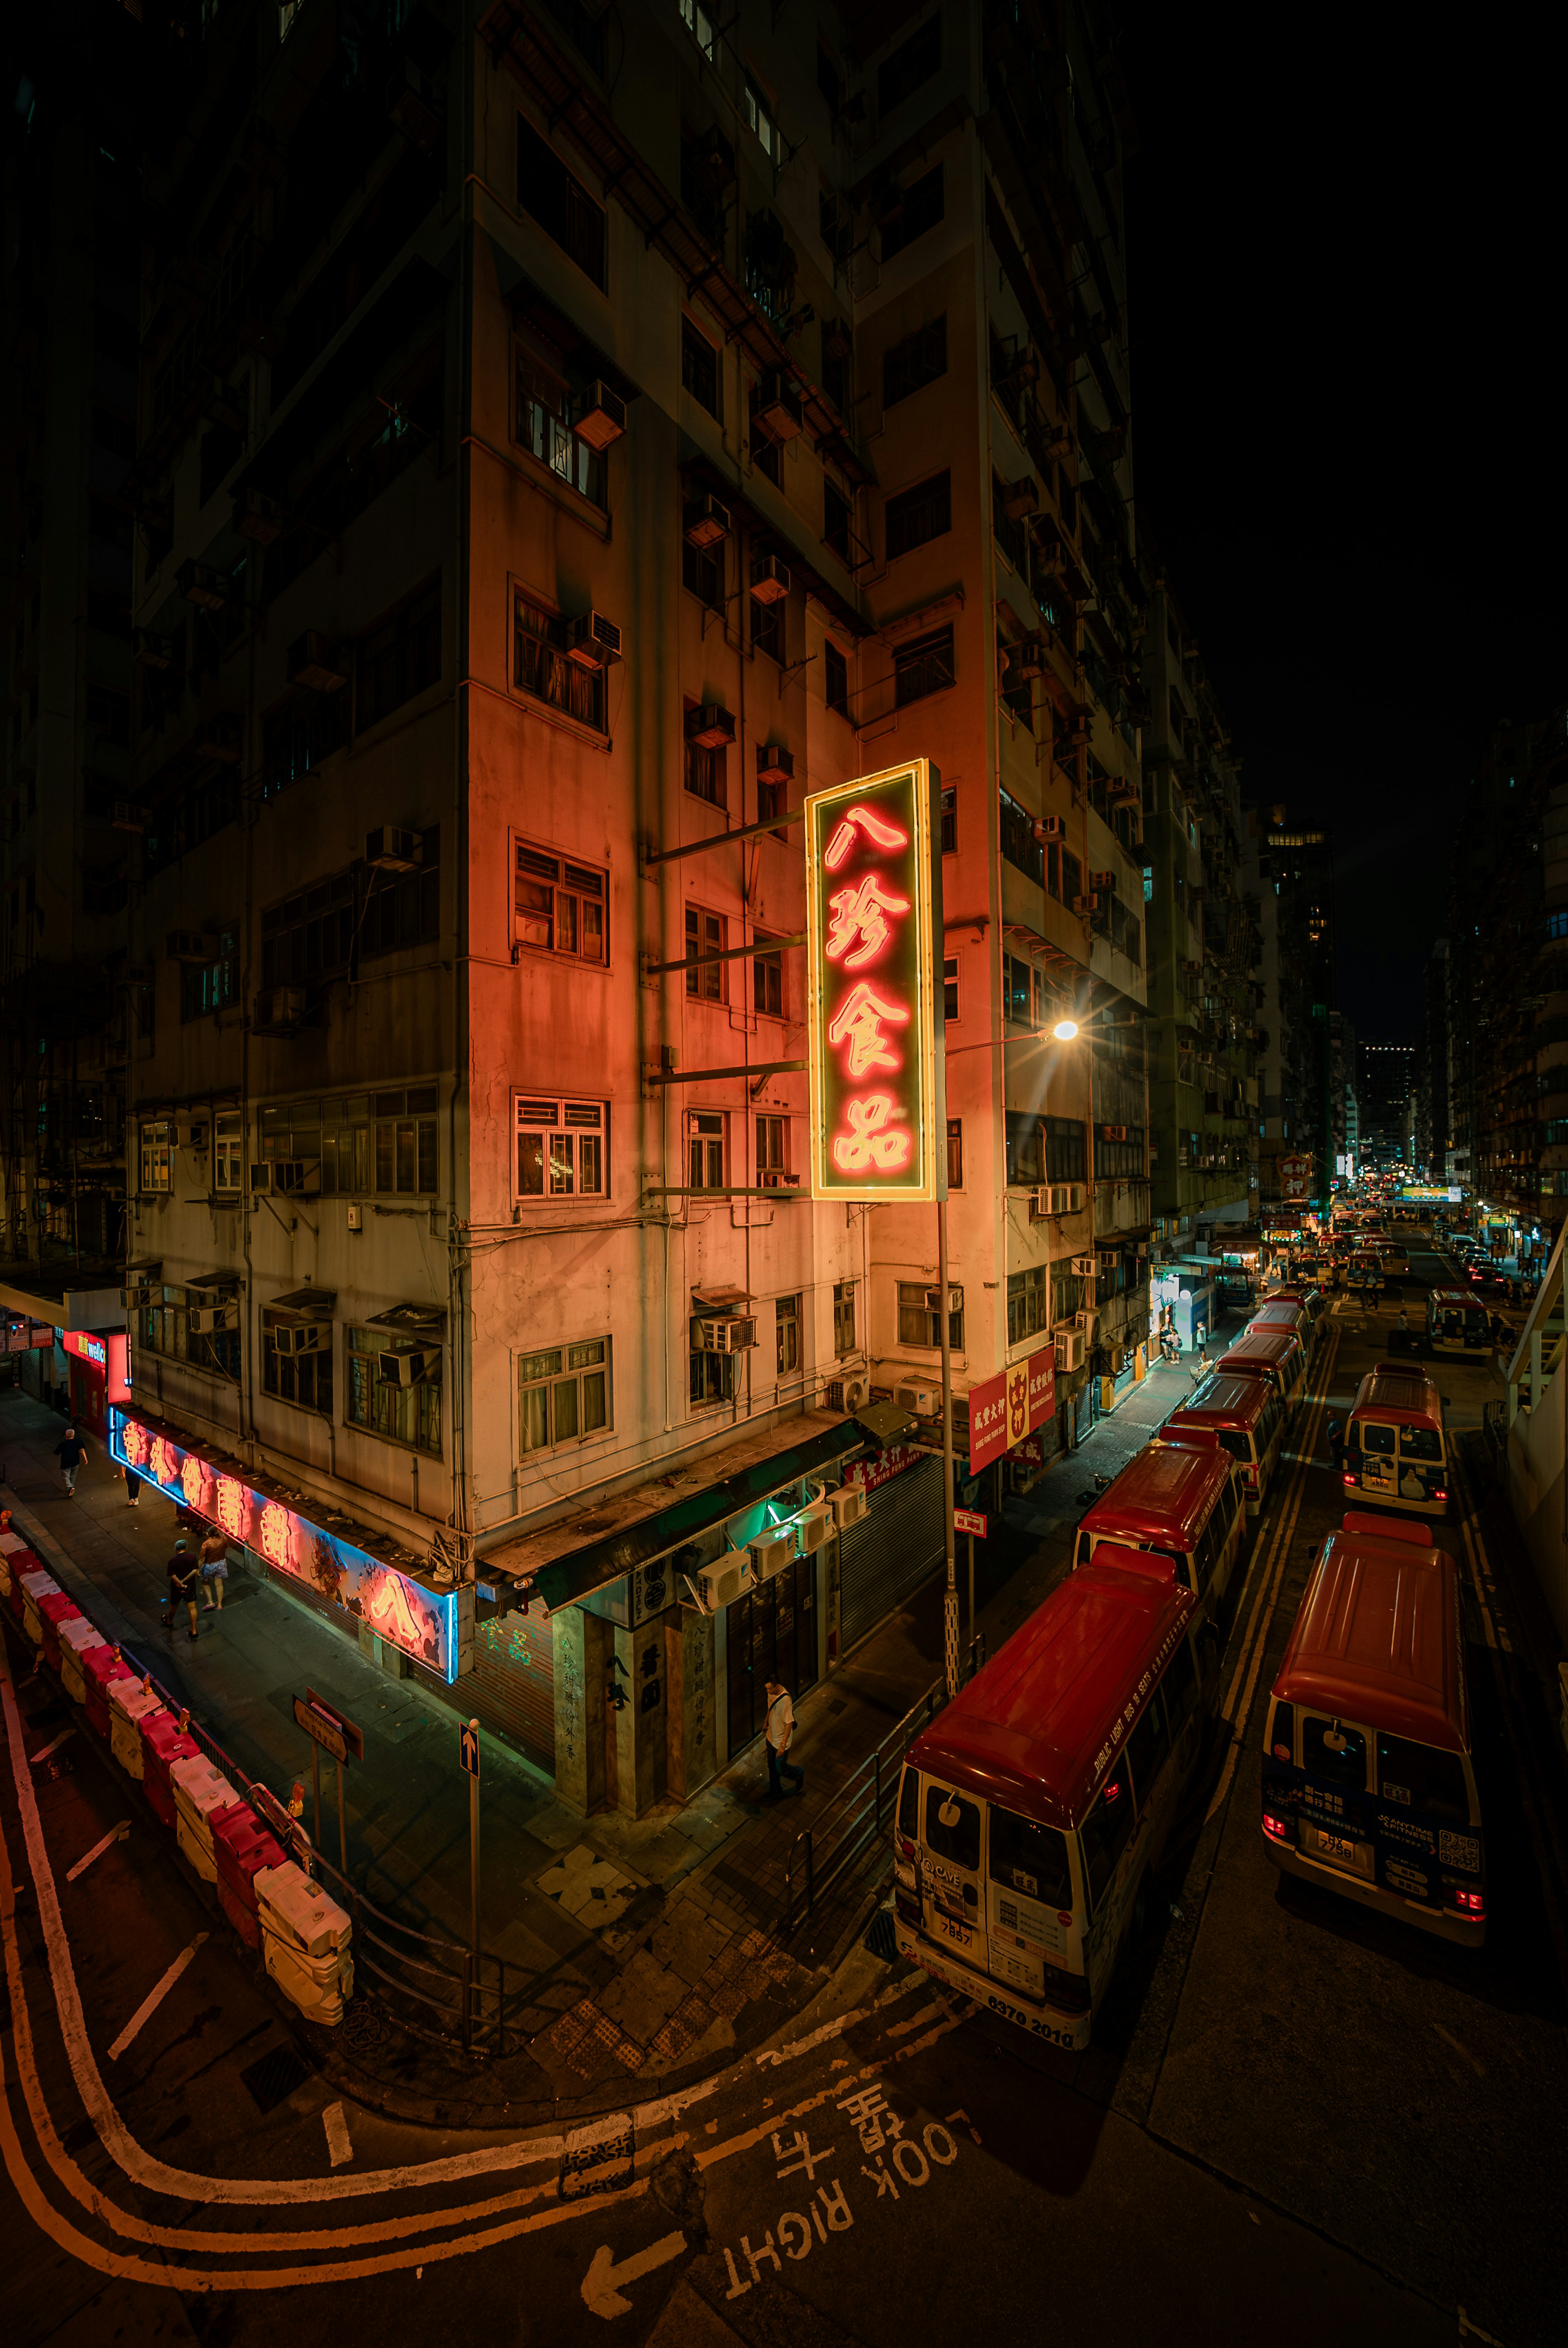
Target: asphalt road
(1298,2120)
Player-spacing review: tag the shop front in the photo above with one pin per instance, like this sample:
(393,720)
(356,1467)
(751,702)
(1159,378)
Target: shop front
(98,1372)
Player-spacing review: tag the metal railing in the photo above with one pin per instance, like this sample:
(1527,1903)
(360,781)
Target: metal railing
(822,1855)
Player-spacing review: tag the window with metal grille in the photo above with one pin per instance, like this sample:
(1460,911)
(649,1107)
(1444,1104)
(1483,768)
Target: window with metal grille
(954,1153)
(559,202)
(922,667)
(844,1316)
(917,515)
(409,1415)
(304,1379)
(541,666)
(920,1326)
(562,1148)
(705,935)
(705,1134)
(564,1395)
(767,985)
(560,907)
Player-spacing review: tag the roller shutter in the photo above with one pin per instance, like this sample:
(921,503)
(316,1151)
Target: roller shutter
(896,1546)
(512,1684)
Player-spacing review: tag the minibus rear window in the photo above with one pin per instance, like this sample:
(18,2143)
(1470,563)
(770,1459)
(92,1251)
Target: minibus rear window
(1330,1749)
(1375,1436)
(1419,1443)
(1423,1778)
(956,1835)
(909,1805)
(1238,1446)
(1030,1858)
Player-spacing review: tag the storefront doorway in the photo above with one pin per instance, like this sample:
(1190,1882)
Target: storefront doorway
(772,1636)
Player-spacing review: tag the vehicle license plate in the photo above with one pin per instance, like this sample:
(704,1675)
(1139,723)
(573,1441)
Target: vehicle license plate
(1336,1847)
(959,1933)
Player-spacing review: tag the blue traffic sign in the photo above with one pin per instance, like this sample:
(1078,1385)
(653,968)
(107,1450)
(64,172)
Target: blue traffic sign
(468,1744)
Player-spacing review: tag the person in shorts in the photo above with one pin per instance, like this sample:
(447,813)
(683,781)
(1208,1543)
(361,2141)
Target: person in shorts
(184,1581)
(213,1558)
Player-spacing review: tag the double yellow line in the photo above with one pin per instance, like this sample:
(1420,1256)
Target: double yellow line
(1270,1575)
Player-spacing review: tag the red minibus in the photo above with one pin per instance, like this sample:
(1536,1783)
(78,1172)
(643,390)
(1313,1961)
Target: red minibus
(1368,1782)
(1395,1450)
(1177,1502)
(1278,1354)
(1241,1416)
(1033,1806)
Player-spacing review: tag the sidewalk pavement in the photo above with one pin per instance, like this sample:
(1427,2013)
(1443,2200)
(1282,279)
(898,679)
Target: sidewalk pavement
(648,1949)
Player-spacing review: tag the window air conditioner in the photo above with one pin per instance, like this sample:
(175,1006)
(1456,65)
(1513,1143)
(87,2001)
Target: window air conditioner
(1069,1349)
(721,1583)
(811,1527)
(198,583)
(707,523)
(315,662)
(774,762)
(302,1337)
(592,640)
(1114,1132)
(1103,881)
(1076,1195)
(259,518)
(388,850)
(409,1366)
(1084,1267)
(1087,1323)
(772,1552)
(600,417)
(848,1504)
(137,1296)
(190,1132)
(150,650)
(735,1334)
(211,1320)
(1020,498)
(192,946)
(1027,658)
(711,727)
(1049,827)
(1089,904)
(770,579)
(279,1011)
(775,409)
(925,1402)
(934,1299)
(1122,787)
(129,815)
(774,1177)
(287,1178)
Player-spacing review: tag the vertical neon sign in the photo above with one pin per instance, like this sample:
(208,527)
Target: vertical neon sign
(872,909)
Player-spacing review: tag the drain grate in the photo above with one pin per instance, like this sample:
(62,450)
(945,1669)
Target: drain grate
(58,1765)
(276,2075)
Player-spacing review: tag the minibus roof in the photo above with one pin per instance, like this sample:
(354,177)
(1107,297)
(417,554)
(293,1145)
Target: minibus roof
(1376,1641)
(1163,1494)
(1039,1726)
(1395,1386)
(1279,1313)
(1274,1346)
(1224,1398)
(1466,1296)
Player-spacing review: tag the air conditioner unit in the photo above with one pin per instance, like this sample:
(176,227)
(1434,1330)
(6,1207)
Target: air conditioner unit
(190,1132)
(848,1504)
(198,583)
(287,1178)
(770,579)
(302,1337)
(220,737)
(1049,827)
(934,1299)
(1084,1267)
(707,523)
(1077,732)
(711,727)
(1109,1258)
(259,518)
(1020,498)
(736,1333)
(1027,658)
(775,409)
(1105,881)
(211,1320)
(150,650)
(1088,1323)
(721,1583)
(279,1011)
(847,1395)
(774,1177)
(137,1296)
(314,660)
(1073,1195)
(925,1402)
(600,417)
(1069,1349)
(812,1528)
(414,102)
(592,640)
(388,850)
(1122,787)
(1089,904)
(772,1552)
(127,816)
(192,946)
(774,762)
(1114,1132)
(409,1366)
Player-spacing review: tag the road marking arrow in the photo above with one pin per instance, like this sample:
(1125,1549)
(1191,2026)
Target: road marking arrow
(599,2285)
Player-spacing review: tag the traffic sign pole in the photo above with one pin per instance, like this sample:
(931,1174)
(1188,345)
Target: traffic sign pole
(316,1782)
(343,1829)
(971,1539)
(474,1842)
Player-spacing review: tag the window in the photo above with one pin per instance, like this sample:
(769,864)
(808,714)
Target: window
(403,909)
(1029,1302)
(310,936)
(713,1375)
(165,1328)
(1420,1443)
(767,985)
(1066,1149)
(951,989)
(828,81)
(916,516)
(363,1143)
(703,573)
(701,27)
(786,1327)
(541,666)
(919,359)
(155,1157)
(760,121)
(399,660)
(835,518)
(923,666)
(545,408)
(301,736)
(1375,1437)
(110,711)
(1557,925)
(911,64)
(954,1153)
(1121,1161)
(563,1395)
(706,1133)
(561,205)
(772,800)
(844,1316)
(1018,843)
(1017,692)
(699,368)
(1032,1859)
(952,1828)
(1017,991)
(950,822)
(920,1325)
(772,1156)
(562,1148)
(705,935)
(919,209)
(1423,1778)
(228,1152)
(560,906)
(210,985)
(1105,1830)
(768,628)
(1332,1751)
(304,1379)
(834,678)
(705,773)
(407,1414)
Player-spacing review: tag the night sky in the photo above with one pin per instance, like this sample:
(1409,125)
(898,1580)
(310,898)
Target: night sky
(1345,267)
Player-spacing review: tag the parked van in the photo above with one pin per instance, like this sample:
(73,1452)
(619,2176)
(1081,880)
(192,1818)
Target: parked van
(1179,1505)
(1275,1353)
(1243,1416)
(1396,1449)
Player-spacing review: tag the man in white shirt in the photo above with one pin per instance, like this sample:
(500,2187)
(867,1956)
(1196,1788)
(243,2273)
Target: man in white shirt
(779,1729)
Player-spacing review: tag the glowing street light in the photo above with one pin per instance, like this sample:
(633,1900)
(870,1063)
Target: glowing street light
(1065,1030)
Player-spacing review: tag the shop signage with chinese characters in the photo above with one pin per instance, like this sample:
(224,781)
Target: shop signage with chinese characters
(420,1622)
(1007,1408)
(873,911)
(1295,1176)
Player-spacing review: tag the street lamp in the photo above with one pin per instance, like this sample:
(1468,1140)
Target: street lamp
(1065,1030)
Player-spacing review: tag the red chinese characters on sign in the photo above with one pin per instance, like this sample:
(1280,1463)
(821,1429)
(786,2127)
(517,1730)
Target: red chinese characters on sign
(1041,1369)
(988,1421)
(233,1506)
(870,920)
(1004,1411)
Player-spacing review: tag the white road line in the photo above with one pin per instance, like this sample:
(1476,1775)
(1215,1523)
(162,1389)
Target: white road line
(340,2147)
(115,1834)
(154,1998)
(44,1750)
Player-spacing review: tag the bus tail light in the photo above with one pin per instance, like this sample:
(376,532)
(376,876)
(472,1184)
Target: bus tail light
(906,1905)
(1471,1905)
(1349,1479)
(1440,1495)
(1276,1829)
(1249,1478)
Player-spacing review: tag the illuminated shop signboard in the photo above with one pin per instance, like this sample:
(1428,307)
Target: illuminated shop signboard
(1005,1410)
(872,915)
(420,1622)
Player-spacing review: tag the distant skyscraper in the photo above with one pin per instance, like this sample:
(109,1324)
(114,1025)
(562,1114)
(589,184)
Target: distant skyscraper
(1384,1076)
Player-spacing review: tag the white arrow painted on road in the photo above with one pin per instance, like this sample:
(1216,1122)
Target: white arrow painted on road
(599,2284)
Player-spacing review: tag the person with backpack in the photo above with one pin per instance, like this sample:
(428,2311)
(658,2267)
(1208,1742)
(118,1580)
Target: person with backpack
(184,1581)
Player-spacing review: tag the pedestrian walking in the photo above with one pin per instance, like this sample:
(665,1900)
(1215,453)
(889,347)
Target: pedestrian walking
(1336,1446)
(780,1730)
(70,1453)
(132,1488)
(213,1558)
(184,1581)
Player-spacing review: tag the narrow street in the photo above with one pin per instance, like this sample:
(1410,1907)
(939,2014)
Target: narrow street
(1295,2117)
